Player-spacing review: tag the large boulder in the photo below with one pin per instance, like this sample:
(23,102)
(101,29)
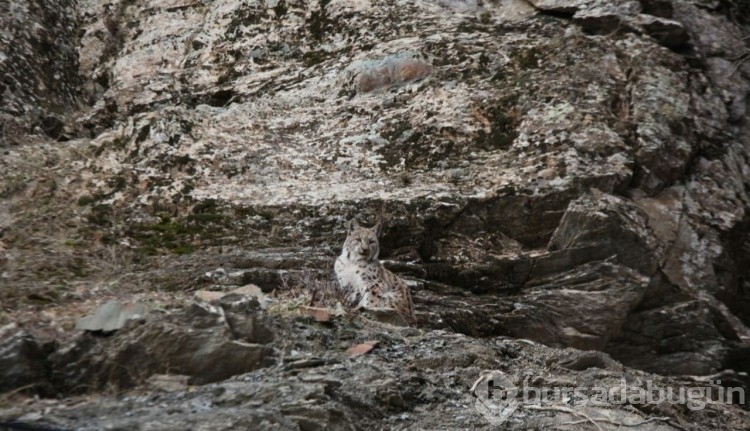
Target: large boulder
(206,342)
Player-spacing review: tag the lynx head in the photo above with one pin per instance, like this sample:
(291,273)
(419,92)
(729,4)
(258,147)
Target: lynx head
(362,242)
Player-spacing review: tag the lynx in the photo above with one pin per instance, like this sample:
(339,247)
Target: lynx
(360,272)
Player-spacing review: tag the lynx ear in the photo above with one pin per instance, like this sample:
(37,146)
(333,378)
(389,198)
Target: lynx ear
(378,228)
(352,225)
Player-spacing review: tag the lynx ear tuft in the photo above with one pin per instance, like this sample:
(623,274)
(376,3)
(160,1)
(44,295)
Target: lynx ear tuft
(378,228)
(352,225)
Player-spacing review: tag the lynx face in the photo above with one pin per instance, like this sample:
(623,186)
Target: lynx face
(362,243)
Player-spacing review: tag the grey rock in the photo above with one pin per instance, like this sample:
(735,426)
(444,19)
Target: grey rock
(244,317)
(660,8)
(414,380)
(112,316)
(579,361)
(599,20)
(197,341)
(386,315)
(23,363)
(667,32)
(613,227)
(559,6)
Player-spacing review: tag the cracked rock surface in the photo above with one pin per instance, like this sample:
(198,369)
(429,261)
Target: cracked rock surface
(569,172)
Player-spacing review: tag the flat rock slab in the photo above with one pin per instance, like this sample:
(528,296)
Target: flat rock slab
(112,316)
(362,348)
(208,343)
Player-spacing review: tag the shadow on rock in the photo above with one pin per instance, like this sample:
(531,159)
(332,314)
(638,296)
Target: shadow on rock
(203,341)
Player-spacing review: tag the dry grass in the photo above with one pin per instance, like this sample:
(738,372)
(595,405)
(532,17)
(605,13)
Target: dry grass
(312,289)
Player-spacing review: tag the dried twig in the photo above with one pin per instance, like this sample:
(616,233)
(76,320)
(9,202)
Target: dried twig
(566,410)
(8,395)
(738,61)
(622,424)
(591,420)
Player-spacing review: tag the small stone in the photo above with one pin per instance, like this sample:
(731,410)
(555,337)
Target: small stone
(168,382)
(361,349)
(112,316)
(215,296)
(249,290)
(208,295)
(317,313)
(305,363)
(557,6)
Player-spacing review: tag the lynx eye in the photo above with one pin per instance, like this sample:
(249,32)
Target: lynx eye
(372,241)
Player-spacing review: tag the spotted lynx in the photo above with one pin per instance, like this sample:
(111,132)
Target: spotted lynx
(369,284)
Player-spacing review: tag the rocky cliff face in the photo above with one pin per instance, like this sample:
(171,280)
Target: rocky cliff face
(570,172)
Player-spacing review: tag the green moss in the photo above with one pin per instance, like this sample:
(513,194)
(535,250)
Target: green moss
(208,218)
(183,249)
(85,200)
(116,144)
(312,58)
(117,183)
(161,239)
(529,58)
(100,215)
(179,235)
(13,186)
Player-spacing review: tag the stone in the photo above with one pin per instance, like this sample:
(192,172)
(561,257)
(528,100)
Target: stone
(213,296)
(667,32)
(558,6)
(362,348)
(601,20)
(248,290)
(23,363)
(168,382)
(660,8)
(317,313)
(580,361)
(112,316)
(405,384)
(245,319)
(208,295)
(190,342)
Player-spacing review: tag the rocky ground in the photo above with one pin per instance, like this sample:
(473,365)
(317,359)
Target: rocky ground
(568,172)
